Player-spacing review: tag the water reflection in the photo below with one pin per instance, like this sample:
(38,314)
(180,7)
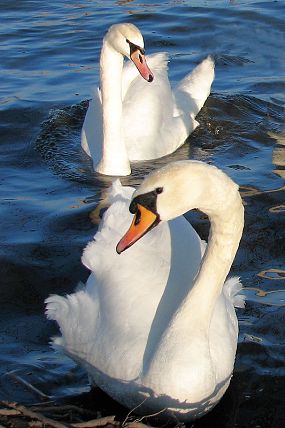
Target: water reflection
(247,191)
(123,2)
(273,298)
(277,209)
(278,157)
(275,274)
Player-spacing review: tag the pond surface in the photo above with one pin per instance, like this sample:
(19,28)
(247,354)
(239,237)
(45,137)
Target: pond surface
(49,65)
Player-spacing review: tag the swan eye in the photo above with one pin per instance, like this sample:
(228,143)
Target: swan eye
(158,190)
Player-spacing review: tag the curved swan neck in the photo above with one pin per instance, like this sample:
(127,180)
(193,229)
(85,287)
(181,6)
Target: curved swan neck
(225,234)
(114,154)
(227,220)
(189,185)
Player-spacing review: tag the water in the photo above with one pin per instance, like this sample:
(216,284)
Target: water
(49,63)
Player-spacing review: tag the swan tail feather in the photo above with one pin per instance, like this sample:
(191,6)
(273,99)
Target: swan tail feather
(70,313)
(233,292)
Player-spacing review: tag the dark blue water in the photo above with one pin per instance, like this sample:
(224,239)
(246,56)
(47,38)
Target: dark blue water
(49,64)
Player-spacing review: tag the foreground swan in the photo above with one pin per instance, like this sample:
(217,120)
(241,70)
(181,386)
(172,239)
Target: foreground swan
(146,327)
(131,119)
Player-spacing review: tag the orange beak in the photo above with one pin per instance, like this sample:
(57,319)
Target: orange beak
(142,223)
(140,62)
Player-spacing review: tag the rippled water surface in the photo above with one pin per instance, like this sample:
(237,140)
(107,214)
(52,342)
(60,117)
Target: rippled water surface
(49,64)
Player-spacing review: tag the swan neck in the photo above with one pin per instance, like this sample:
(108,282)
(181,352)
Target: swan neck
(225,234)
(114,154)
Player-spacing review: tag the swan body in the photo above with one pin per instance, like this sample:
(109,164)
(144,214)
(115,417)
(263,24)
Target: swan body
(131,119)
(152,327)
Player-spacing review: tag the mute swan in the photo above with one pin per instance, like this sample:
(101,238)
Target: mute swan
(148,329)
(131,119)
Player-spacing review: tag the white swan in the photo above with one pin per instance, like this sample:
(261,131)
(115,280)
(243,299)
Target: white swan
(146,327)
(131,119)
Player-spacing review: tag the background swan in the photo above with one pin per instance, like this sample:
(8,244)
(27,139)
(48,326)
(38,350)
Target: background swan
(148,329)
(131,119)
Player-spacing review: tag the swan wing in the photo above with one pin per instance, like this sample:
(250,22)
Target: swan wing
(224,329)
(156,120)
(92,321)
(92,132)
(147,108)
(138,282)
(189,97)
(192,91)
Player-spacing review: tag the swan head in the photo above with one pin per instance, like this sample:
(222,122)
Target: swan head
(127,40)
(175,189)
